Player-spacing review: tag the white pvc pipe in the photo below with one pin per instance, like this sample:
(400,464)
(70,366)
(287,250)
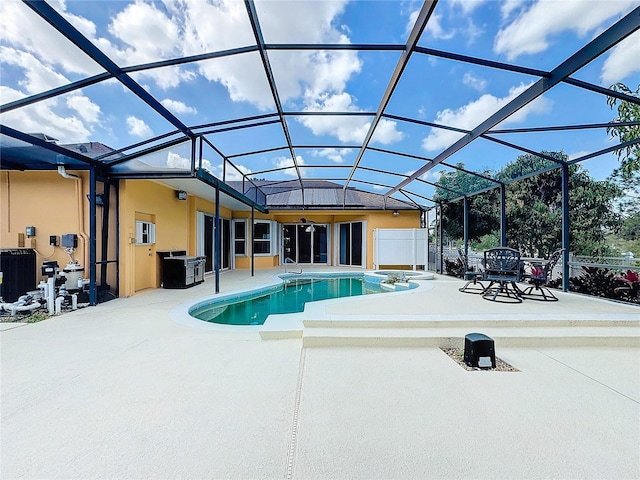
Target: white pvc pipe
(51,282)
(24,308)
(59,301)
(74,301)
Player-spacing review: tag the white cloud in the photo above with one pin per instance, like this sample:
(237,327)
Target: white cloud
(466,117)
(142,32)
(41,118)
(510,7)
(467,6)
(623,60)
(38,76)
(347,128)
(380,188)
(531,31)
(138,128)
(431,176)
(178,107)
(386,133)
(83,106)
(336,155)
(287,164)
(175,160)
(477,83)
(434,27)
(28,33)
(232,174)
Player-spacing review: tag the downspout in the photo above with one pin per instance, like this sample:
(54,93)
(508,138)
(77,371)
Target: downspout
(80,209)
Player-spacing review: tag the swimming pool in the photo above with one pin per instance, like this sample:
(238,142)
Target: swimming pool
(254,307)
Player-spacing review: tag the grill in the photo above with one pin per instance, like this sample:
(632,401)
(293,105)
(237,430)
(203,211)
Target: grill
(182,271)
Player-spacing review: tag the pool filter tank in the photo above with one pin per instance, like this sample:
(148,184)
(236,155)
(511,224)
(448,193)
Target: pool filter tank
(74,273)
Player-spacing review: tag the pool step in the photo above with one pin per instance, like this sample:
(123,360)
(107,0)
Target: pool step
(546,336)
(474,321)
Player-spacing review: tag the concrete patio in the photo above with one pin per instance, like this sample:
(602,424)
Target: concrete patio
(126,390)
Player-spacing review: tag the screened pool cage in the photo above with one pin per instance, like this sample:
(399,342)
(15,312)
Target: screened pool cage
(206,155)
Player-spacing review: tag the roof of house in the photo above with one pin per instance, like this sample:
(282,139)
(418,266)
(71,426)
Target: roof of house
(90,149)
(319,195)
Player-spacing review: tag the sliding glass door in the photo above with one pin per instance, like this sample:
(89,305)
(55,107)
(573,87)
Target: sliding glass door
(306,243)
(351,244)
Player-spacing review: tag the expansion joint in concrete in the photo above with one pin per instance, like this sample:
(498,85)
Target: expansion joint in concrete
(293,443)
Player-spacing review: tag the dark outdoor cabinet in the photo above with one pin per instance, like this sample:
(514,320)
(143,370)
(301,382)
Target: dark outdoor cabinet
(18,267)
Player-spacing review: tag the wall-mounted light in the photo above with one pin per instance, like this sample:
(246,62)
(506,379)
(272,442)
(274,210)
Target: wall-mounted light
(30,232)
(395,213)
(181,195)
(99,199)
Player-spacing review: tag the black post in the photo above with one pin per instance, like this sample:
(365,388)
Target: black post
(253,212)
(93,289)
(565,227)
(440,238)
(503,215)
(216,236)
(465,209)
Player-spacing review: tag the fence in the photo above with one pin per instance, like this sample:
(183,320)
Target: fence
(400,246)
(576,262)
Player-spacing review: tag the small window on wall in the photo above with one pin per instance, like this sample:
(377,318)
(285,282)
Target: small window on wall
(264,237)
(240,237)
(145,233)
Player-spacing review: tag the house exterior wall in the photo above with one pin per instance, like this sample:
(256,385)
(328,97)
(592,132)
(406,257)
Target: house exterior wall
(56,206)
(373,219)
(49,202)
(175,220)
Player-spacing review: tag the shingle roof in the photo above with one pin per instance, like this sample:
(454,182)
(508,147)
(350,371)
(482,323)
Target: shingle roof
(320,194)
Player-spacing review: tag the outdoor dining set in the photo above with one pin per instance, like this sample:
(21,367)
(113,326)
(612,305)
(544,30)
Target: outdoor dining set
(502,269)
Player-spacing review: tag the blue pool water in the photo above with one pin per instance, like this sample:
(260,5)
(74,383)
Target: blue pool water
(290,297)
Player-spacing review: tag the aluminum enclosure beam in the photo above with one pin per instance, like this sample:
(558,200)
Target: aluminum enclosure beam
(421,22)
(57,21)
(606,40)
(257,32)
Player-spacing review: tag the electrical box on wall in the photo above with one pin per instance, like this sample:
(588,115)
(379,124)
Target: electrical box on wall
(69,240)
(30,231)
(145,233)
(53,240)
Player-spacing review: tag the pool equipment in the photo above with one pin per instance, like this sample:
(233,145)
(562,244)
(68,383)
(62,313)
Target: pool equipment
(25,303)
(73,272)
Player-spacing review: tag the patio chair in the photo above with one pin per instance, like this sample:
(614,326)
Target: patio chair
(539,278)
(503,270)
(473,277)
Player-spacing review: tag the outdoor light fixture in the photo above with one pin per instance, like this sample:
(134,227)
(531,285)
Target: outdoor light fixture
(181,195)
(99,199)
(395,213)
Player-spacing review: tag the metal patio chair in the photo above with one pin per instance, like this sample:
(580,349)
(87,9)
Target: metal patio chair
(503,269)
(473,277)
(539,278)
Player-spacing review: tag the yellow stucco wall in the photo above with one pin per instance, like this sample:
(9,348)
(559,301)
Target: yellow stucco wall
(373,219)
(55,206)
(49,202)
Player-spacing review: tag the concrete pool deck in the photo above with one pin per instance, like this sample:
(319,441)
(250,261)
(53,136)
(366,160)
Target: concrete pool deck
(123,390)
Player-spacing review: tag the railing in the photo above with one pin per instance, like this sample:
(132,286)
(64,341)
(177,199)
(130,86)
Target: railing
(288,261)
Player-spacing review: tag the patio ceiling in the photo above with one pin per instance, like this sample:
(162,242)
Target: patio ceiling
(289,124)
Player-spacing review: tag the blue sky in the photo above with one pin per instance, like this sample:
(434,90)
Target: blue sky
(537,34)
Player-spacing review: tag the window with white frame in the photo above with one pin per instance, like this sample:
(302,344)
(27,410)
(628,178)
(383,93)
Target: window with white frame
(265,237)
(240,237)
